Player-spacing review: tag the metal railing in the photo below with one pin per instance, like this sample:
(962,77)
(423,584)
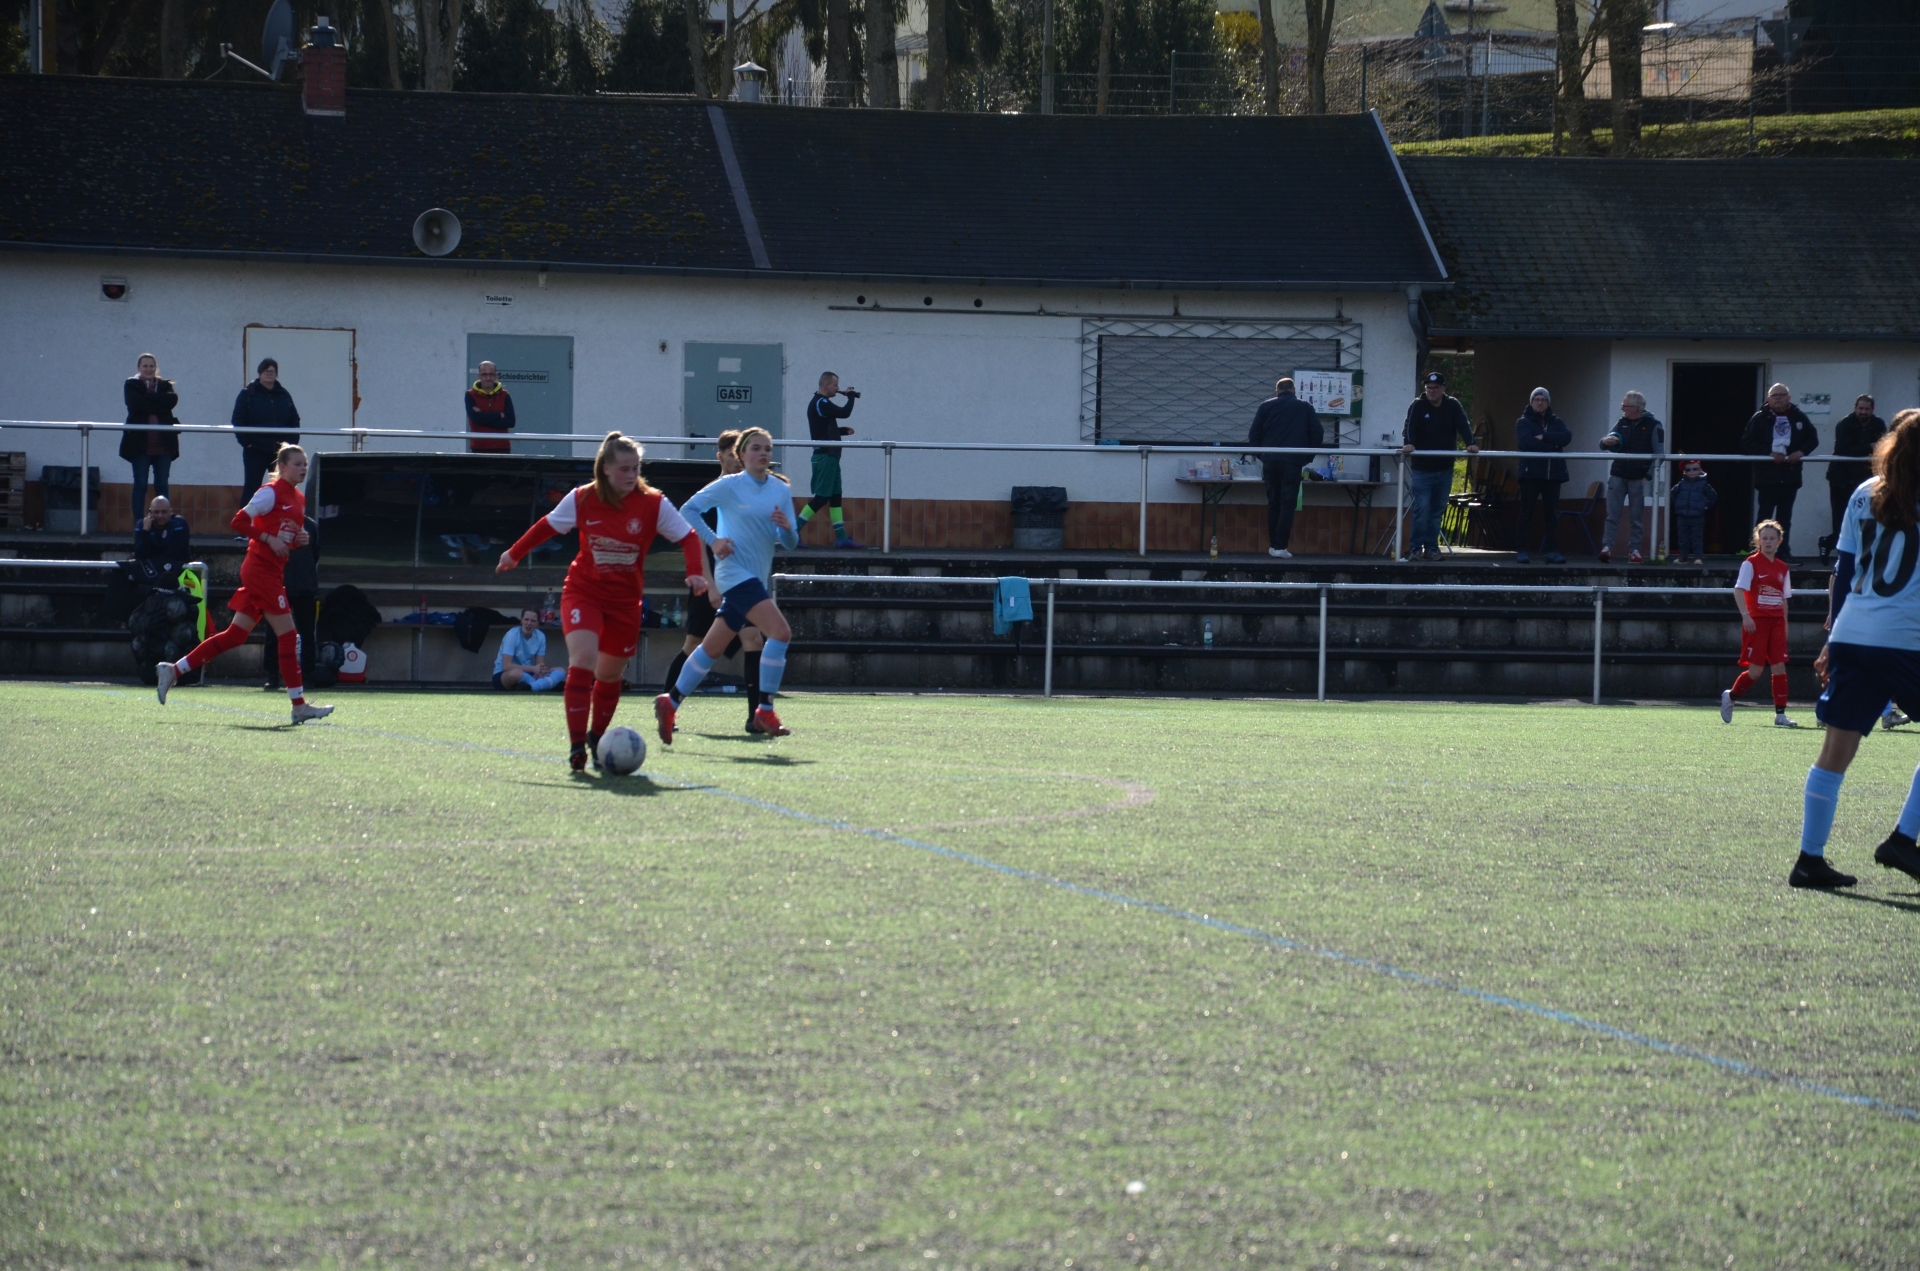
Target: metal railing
(357,439)
(1325,590)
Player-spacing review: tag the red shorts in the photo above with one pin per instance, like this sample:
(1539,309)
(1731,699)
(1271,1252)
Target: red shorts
(617,625)
(1766,644)
(262,593)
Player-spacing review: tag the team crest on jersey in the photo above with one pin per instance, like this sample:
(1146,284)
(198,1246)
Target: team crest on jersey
(633,525)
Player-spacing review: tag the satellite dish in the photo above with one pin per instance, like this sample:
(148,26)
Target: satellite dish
(276,37)
(437,231)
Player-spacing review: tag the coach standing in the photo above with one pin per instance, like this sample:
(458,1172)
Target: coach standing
(1283,420)
(265,403)
(823,424)
(489,410)
(1434,422)
(1854,437)
(1783,431)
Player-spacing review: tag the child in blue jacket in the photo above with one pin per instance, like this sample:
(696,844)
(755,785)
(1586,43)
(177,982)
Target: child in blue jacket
(1692,497)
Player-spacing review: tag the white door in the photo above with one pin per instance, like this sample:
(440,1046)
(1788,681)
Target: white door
(316,366)
(1825,391)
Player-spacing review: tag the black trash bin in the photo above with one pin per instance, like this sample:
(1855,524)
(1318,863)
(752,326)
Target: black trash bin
(1039,517)
(62,483)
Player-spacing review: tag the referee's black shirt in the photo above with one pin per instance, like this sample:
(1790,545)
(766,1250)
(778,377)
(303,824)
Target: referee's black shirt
(823,421)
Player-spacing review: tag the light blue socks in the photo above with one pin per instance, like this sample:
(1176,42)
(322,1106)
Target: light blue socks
(1910,814)
(1823,794)
(553,679)
(698,664)
(773,665)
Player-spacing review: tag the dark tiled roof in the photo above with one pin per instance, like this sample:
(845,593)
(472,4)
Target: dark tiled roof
(1297,201)
(1683,247)
(236,167)
(640,184)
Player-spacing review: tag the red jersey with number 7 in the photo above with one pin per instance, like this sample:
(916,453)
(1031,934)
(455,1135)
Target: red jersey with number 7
(1767,587)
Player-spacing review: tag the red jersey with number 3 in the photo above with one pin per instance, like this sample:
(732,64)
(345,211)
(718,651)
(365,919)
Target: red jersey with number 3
(611,565)
(277,510)
(1766,586)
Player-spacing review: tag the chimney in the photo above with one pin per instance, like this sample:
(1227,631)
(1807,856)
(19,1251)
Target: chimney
(323,72)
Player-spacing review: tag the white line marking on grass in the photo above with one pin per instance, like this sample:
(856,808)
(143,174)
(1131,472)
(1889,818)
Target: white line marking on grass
(1735,1066)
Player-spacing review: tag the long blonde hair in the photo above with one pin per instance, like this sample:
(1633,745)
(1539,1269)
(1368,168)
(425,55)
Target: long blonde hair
(615,443)
(1896,461)
(746,439)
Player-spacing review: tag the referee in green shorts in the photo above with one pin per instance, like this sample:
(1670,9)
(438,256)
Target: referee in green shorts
(823,424)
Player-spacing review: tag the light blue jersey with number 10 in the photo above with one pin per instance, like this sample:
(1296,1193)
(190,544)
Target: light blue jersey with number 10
(1882,609)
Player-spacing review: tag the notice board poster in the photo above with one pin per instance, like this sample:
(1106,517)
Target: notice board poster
(1328,392)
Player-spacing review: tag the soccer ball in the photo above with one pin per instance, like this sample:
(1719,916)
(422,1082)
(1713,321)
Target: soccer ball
(622,751)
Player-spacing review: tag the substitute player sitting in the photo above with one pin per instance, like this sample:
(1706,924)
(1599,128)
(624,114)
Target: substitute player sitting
(617,516)
(1873,653)
(274,521)
(756,515)
(1761,594)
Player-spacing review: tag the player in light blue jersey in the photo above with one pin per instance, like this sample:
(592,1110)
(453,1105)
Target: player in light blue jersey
(1873,649)
(755,509)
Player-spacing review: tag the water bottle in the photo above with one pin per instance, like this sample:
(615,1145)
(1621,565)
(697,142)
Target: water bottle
(1213,547)
(1206,634)
(679,612)
(550,608)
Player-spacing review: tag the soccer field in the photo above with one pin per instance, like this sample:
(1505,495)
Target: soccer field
(945,982)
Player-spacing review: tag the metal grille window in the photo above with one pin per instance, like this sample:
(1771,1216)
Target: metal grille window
(1195,382)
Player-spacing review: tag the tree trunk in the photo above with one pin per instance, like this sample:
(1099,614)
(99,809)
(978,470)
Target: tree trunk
(1319,37)
(1269,59)
(936,90)
(1104,81)
(697,46)
(883,67)
(442,45)
(390,31)
(839,54)
(1570,117)
(1623,60)
(173,39)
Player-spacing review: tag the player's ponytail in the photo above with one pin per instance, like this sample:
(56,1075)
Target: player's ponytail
(1896,461)
(615,443)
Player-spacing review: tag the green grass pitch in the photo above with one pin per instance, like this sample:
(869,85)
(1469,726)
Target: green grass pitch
(401,990)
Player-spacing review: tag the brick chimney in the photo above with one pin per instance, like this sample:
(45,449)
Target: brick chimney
(323,72)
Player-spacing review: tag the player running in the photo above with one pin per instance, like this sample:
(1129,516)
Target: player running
(1763,590)
(618,516)
(700,610)
(1873,653)
(274,521)
(756,515)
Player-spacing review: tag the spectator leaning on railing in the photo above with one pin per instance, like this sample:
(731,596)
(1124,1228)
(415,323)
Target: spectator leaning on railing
(1855,437)
(1540,430)
(265,403)
(1782,430)
(1635,433)
(1434,422)
(489,410)
(150,401)
(1283,420)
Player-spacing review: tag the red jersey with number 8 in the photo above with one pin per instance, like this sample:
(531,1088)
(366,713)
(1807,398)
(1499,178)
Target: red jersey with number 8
(277,510)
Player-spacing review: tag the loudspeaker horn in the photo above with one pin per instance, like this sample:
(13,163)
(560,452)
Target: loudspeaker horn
(436,231)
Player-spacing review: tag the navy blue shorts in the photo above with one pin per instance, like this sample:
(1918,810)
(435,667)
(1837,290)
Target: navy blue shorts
(1862,679)
(739,599)
(496,680)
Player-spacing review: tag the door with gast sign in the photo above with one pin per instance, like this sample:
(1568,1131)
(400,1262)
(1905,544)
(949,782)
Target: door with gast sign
(733,386)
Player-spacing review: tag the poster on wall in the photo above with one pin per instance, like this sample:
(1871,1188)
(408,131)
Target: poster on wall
(1328,392)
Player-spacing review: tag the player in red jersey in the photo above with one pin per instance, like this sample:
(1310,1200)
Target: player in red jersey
(618,516)
(275,522)
(1761,595)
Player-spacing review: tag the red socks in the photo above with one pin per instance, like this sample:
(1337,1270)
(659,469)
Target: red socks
(1780,694)
(214,645)
(578,695)
(606,700)
(1742,684)
(290,665)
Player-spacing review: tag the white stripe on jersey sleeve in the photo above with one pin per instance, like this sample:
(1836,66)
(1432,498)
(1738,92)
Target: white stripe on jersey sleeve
(1745,581)
(564,516)
(262,501)
(670,524)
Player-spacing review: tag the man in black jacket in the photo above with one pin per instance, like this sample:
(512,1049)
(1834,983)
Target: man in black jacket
(1855,437)
(1283,420)
(265,403)
(1434,422)
(1636,432)
(1782,430)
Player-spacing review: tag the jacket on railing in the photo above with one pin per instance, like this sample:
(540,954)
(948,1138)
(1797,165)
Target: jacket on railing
(144,406)
(261,407)
(1758,440)
(1546,433)
(1692,496)
(1285,421)
(1643,436)
(1855,436)
(1431,427)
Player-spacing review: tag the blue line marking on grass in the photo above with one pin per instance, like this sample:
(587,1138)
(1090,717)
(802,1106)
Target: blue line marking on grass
(1735,1066)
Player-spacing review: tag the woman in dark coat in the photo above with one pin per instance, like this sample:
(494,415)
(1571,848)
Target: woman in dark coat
(150,401)
(1539,429)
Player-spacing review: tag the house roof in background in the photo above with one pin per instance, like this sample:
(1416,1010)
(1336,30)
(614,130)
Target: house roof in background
(643,184)
(1718,248)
